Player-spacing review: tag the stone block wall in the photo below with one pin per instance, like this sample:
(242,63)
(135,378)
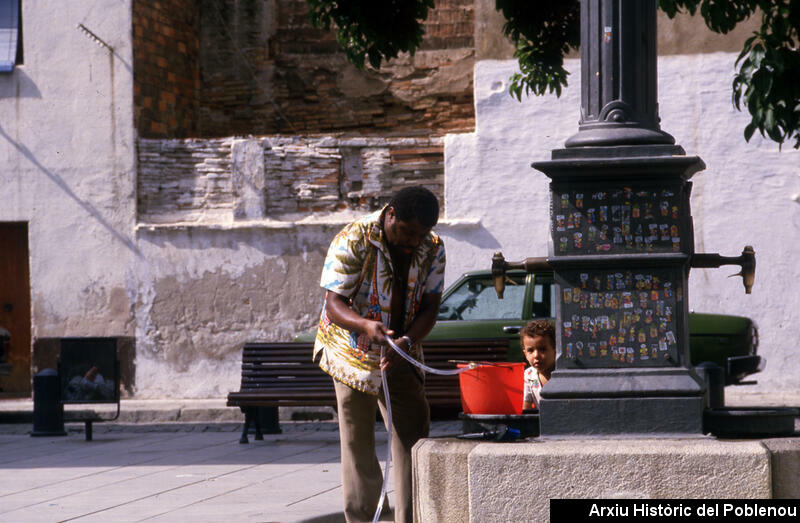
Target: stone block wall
(279,178)
(184,180)
(165,67)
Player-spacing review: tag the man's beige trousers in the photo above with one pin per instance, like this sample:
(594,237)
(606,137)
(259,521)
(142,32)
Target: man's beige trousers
(362,477)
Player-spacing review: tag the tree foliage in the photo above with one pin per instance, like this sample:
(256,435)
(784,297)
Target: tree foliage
(372,30)
(767,80)
(542,36)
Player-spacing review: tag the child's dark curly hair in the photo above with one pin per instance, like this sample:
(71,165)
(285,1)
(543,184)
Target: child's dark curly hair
(544,328)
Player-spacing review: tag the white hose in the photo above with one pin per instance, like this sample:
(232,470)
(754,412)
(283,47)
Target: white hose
(388,439)
(422,367)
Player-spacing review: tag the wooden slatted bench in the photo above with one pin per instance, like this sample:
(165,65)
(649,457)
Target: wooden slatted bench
(283,375)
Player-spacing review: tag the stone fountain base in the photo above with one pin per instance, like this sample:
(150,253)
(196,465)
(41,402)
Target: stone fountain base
(462,480)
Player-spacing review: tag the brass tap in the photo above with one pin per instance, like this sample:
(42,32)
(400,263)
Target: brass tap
(747,261)
(500,266)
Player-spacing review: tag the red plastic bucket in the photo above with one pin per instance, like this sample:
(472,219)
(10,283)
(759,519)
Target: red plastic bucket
(495,388)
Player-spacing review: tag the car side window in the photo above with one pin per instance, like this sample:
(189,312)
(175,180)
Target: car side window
(543,300)
(476,299)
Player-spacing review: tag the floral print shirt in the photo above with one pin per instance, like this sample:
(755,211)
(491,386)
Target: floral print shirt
(533,387)
(358,266)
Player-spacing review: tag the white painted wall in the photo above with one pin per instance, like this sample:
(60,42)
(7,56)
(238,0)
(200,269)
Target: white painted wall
(67,165)
(744,197)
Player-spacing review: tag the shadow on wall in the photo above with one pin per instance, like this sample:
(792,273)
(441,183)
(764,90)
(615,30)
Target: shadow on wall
(86,205)
(18,85)
(475,235)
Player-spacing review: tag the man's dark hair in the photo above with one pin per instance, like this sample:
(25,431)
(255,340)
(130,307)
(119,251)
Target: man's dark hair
(542,328)
(416,203)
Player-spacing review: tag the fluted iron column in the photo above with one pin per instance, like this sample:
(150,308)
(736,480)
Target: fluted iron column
(618,75)
(622,241)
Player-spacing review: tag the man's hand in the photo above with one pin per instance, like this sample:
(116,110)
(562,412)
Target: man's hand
(377,331)
(391,357)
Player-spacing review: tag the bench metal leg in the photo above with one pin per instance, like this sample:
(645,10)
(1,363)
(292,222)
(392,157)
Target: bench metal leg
(268,420)
(259,435)
(88,429)
(248,416)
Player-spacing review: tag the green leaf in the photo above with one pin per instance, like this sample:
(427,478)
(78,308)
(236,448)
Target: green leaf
(748,131)
(762,81)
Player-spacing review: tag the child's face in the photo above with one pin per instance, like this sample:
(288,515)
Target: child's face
(540,352)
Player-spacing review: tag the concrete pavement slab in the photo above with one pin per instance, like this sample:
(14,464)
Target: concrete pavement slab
(176,472)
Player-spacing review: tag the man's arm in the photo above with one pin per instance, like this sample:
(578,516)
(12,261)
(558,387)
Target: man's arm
(426,317)
(419,328)
(340,313)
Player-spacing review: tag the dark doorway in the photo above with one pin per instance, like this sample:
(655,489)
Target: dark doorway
(15,308)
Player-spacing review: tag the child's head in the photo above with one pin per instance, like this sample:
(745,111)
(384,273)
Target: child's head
(538,339)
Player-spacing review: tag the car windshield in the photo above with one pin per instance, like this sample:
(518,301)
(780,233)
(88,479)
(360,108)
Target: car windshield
(476,299)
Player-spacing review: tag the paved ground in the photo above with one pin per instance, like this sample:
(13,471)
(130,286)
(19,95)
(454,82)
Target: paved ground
(168,460)
(175,471)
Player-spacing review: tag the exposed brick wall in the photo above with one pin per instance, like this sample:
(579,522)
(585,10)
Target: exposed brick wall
(165,67)
(191,180)
(266,70)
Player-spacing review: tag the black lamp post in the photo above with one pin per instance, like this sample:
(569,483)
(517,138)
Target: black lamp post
(622,245)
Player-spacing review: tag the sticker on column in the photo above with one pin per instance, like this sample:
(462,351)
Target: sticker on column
(608,300)
(607,34)
(628,193)
(664,228)
(617,235)
(653,228)
(627,301)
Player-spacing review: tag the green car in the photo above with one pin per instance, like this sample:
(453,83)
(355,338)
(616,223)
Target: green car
(471,309)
